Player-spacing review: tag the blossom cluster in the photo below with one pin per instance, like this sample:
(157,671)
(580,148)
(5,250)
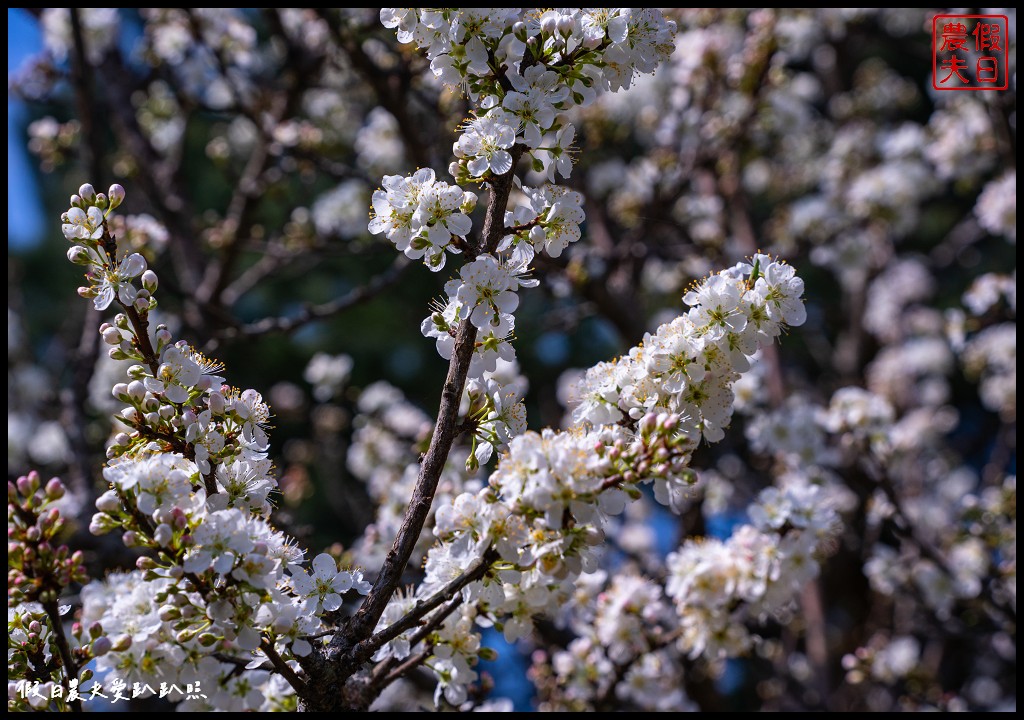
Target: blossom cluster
(539,524)
(423,216)
(190,484)
(40,570)
(689,365)
(520,72)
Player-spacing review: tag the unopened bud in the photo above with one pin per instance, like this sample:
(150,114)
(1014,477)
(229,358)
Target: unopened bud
(169,613)
(101,646)
(149,281)
(101,524)
(122,643)
(136,391)
(79,255)
(565,25)
(163,534)
(55,489)
(112,336)
(87,193)
(146,563)
(549,24)
(115,195)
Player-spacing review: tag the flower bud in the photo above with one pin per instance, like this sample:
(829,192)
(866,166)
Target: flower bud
(487,653)
(163,534)
(112,336)
(137,372)
(115,195)
(519,30)
(149,281)
(101,524)
(145,563)
(122,643)
(136,391)
(217,403)
(87,193)
(169,613)
(565,25)
(79,255)
(130,538)
(28,484)
(55,489)
(76,201)
(120,391)
(101,646)
(549,24)
(100,201)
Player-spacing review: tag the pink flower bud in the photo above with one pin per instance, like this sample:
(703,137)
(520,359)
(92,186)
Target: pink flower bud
(145,563)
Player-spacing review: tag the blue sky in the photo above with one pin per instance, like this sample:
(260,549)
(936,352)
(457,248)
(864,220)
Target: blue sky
(24,212)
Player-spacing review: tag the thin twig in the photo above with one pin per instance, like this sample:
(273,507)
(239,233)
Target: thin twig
(312,313)
(370,646)
(410,664)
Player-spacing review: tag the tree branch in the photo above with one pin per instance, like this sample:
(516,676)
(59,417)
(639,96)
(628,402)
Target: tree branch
(434,460)
(366,648)
(312,313)
(64,650)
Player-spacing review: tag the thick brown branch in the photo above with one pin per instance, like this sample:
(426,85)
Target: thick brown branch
(64,650)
